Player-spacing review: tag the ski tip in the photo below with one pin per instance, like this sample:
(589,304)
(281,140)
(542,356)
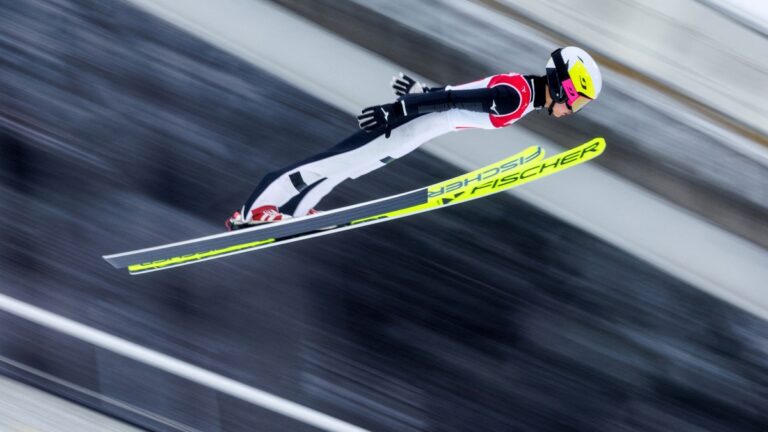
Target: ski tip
(596,145)
(600,140)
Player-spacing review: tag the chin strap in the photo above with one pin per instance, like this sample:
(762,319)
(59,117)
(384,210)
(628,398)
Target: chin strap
(551,107)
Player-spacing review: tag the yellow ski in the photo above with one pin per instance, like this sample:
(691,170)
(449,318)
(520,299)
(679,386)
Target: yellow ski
(524,167)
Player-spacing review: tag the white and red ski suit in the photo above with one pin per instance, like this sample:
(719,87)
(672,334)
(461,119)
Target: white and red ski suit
(490,103)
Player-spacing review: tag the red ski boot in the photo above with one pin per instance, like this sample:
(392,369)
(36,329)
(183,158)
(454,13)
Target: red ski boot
(267,213)
(260,215)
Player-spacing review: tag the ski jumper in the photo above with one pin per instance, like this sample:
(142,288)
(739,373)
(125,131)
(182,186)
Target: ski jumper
(490,103)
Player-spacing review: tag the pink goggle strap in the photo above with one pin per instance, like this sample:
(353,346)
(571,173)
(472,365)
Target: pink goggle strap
(570,91)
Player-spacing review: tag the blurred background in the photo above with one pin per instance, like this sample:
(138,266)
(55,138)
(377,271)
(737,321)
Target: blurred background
(626,295)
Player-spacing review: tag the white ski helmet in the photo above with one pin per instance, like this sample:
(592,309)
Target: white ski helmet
(573,77)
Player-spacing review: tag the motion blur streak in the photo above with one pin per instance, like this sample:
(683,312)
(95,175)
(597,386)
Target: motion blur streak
(107,400)
(174,366)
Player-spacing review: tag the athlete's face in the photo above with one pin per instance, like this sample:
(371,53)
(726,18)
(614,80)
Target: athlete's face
(561,110)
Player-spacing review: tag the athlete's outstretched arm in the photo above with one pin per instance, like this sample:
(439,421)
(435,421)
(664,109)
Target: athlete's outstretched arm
(499,100)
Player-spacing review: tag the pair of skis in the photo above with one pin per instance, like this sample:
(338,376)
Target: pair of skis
(516,170)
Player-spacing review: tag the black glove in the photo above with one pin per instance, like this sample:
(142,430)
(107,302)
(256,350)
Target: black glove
(403,85)
(380,116)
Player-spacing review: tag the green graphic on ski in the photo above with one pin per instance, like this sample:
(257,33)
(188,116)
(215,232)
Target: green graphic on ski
(511,172)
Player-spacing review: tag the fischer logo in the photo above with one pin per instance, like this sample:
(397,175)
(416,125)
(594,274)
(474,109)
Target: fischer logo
(490,179)
(485,175)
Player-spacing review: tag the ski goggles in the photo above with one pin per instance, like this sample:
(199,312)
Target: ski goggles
(573,98)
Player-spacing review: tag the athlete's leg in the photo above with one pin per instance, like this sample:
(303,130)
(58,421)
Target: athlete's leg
(301,186)
(279,187)
(300,204)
